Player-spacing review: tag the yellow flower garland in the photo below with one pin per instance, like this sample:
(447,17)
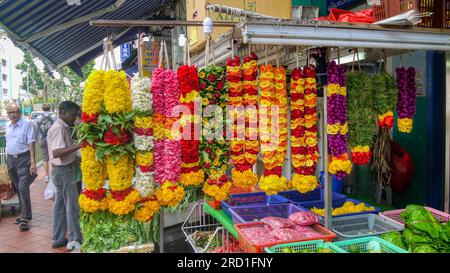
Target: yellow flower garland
(120,172)
(92,170)
(347,208)
(93,93)
(146,212)
(192,178)
(169,197)
(125,206)
(273,184)
(244,180)
(89,205)
(216,192)
(144,158)
(143,122)
(304,183)
(117,95)
(405,125)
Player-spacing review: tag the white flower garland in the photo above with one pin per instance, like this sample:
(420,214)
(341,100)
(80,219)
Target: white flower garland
(142,102)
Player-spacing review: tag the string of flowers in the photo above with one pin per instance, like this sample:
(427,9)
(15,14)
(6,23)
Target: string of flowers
(384,92)
(93,196)
(122,197)
(191,173)
(273,141)
(143,142)
(337,127)
(360,117)
(214,149)
(166,96)
(305,152)
(243,94)
(407,93)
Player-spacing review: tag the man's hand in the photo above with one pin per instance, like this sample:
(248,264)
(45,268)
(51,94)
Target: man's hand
(33,168)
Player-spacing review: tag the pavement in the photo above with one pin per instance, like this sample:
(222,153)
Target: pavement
(38,238)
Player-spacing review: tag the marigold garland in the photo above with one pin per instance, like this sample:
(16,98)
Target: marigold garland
(305,152)
(147,210)
(93,201)
(217,192)
(117,95)
(120,172)
(93,171)
(170,194)
(124,206)
(93,93)
(273,147)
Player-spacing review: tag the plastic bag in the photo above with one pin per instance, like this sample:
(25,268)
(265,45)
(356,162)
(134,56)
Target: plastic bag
(50,191)
(304,218)
(277,222)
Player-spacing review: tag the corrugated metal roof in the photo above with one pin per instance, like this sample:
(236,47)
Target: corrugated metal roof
(24,18)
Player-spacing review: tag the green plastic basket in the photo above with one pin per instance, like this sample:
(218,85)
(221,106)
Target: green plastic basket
(310,245)
(362,244)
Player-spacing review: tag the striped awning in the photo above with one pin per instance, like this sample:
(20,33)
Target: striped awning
(58,31)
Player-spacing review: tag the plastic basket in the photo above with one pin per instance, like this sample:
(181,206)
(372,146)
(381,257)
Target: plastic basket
(394,215)
(297,197)
(310,245)
(337,204)
(249,247)
(362,225)
(254,213)
(362,244)
(256,198)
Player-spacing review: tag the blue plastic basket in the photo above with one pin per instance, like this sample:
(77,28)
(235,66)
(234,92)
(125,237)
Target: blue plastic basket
(337,204)
(246,214)
(314,196)
(254,198)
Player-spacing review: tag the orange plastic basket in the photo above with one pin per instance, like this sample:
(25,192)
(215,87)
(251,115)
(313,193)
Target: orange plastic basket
(249,247)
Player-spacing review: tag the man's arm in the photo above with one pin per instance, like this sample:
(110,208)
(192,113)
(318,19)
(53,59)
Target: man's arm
(31,138)
(65,151)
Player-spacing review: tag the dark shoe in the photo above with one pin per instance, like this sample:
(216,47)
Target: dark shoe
(24,225)
(17,222)
(60,244)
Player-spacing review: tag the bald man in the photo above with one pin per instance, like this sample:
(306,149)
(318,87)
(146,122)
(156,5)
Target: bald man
(21,162)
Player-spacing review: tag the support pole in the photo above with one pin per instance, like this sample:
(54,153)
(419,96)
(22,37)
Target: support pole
(327,183)
(161,231)
(447,137)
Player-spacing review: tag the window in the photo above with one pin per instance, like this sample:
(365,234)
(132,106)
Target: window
(4,76)
(4,63)
(5,91)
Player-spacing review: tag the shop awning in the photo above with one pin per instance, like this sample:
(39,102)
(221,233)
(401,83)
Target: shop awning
(60,34)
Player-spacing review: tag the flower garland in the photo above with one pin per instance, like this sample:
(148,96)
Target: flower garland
(337,128)
(117,97)
(167,146)
(384,92)
(191,173)
(360,117)
(273,147)
(143,142)
(305,152)
(407,93)
(244,97)
(214,150)
(93,197)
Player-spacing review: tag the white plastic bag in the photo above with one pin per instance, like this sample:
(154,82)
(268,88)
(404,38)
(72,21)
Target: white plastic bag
(50,191)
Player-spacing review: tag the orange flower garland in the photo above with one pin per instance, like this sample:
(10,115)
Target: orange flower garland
(305,152)
(273,147)
(243,153)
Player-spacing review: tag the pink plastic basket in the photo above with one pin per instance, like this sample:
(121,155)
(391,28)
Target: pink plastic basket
(395,215)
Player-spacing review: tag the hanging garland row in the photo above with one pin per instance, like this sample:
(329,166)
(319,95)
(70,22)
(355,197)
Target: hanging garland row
(337,127)
(304,139)
(214,149)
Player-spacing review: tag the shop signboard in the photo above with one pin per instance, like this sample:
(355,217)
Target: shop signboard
(150,57)
(125,51)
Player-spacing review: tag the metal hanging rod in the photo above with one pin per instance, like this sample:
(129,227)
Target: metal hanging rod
(149,23)
(234,11)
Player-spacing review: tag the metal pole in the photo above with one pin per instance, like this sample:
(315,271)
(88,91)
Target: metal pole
(161,231)
(447,137)
(160,23)
(327,183)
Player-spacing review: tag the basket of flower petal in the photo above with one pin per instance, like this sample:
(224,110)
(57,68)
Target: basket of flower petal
(341,207)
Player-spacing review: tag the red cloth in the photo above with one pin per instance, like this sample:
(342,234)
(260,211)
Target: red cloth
(339,15)
(402,169)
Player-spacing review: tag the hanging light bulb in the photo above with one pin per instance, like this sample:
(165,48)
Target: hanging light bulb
(207,25)
(182,40)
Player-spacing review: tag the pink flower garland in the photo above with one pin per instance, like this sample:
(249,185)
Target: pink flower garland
(166,95)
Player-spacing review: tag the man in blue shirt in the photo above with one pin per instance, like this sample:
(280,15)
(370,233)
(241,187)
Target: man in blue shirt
(21,162)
